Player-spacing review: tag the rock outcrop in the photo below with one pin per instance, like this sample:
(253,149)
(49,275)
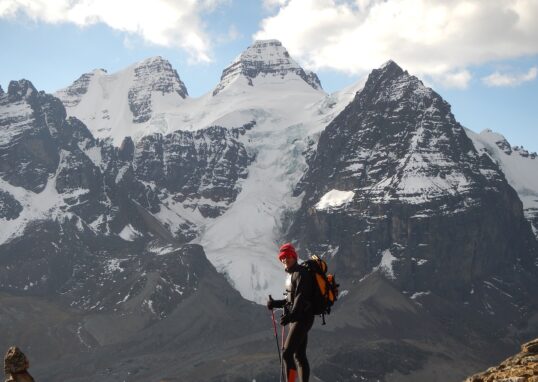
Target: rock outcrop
(522,367)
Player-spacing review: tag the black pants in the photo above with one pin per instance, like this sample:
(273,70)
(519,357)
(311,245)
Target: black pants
(294,354)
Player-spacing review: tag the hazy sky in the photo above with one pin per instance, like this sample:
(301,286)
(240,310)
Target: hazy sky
(481,56)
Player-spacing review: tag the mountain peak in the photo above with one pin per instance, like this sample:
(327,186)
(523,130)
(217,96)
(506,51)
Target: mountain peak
(392,66)
(389,70)
(155,60)
(21,89)
(158,74)
(391,82)
(98,72)
(265,58)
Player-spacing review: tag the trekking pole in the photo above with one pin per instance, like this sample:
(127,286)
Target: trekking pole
(282,371)
(276,336)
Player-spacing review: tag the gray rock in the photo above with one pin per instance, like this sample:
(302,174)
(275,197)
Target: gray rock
(29,153)
(10,208)
(152,75)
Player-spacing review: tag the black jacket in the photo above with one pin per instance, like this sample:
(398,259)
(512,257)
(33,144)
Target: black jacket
(300,289)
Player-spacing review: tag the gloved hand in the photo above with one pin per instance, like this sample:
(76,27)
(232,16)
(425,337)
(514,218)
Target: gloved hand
(285,319)
(271,303)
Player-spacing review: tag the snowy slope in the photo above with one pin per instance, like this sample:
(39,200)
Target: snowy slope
(289,113)
(47,204)
(262,86)
(518,165)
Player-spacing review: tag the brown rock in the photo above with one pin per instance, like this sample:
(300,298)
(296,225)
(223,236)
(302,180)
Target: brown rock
(16,366)
(522,367)
(530,347)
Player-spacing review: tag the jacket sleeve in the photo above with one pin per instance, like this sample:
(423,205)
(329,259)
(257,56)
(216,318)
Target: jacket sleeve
(303,296)
(279,303)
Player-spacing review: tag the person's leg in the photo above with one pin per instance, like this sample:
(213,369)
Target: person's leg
(294,353)
(303,367)
(293,342)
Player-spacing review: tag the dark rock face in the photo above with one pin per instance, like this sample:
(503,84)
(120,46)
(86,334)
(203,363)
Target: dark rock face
(152,75)
(41,261)
(155,283)
(10,208)
(421,192)
(267,57)
(203,164)
(27,126)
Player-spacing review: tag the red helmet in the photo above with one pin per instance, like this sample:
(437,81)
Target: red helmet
(287,250)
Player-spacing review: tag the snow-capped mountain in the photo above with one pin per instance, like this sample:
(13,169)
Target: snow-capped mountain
(123,104)
(286,106)
(111,198)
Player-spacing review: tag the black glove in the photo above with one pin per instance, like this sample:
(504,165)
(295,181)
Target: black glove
(285,319)
(271,303)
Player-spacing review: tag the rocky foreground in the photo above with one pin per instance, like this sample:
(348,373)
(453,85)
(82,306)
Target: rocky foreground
(523,367)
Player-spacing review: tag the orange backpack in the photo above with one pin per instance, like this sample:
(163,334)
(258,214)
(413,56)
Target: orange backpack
(326,290)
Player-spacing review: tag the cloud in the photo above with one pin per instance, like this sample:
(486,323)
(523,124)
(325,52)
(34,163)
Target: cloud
(170,23)
(510,79)
(270,4)
(457,79)
(441,40)
(232,35)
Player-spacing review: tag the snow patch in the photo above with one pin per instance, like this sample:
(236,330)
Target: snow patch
(129,233)
(113,265)
(334,198)
(385,266)
(121,173)
(419,294)
(420,261)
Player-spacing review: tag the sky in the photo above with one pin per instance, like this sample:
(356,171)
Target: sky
(480,56)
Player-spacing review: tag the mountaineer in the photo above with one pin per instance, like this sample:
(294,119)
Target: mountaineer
(298,313)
